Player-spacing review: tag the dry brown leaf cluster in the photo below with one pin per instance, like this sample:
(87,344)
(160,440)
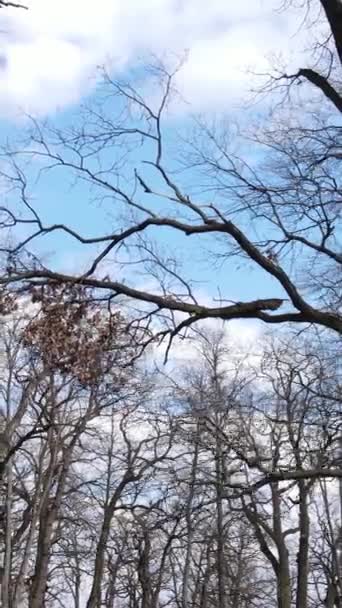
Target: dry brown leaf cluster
(74,335)
(8,303)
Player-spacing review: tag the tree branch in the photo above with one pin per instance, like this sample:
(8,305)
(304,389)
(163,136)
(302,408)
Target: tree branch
(333,11)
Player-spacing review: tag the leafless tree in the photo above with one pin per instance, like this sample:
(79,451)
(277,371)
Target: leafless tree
(120,146)
(214,486)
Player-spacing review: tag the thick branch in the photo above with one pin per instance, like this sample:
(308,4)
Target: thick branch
(333,11)
(5,4)
(276,476)
(226,227)
(323,84)
(247,310)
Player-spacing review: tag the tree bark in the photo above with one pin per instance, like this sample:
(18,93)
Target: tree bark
(333,11)
(303,551)
(189,524)
(283,578)
(94,600)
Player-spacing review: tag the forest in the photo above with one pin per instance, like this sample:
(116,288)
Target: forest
(170,342)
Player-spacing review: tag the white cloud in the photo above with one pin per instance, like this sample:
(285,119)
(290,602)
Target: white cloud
(243,340)
(49,53)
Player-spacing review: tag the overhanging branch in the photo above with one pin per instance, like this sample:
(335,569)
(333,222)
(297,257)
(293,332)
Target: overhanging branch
(254,309)
(333,11)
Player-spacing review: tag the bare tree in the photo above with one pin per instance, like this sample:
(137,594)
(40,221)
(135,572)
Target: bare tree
(300,426)
(214,486)
(290,198)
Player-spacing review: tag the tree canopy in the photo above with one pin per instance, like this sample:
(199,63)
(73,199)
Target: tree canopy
(286,191)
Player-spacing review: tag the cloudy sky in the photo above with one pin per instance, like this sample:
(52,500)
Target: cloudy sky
(49,59)
(49,53)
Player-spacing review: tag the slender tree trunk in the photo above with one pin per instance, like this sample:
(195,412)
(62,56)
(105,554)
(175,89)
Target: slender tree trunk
(219,524)
(94,600)
(47,518)
(303,551)
(6,577)
(111,590)
(19,587)
(78,580)
(39,582)
(206,577)
(283,578)
(144,571)
(189,524)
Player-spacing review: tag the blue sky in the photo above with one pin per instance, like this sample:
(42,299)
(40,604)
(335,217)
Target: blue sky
(49,57)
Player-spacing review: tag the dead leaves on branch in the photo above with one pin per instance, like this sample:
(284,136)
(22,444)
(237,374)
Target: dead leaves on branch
(8,302)
(74,335)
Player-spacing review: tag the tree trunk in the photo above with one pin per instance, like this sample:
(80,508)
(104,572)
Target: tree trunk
(39,582)
(189,524)
(94,600)
(219,524)
(333,11)
(283,577)
(6,577)
(144,571)
(303,551)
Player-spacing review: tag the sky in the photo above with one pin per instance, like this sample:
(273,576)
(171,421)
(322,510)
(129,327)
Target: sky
(49,53)
(49,59)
